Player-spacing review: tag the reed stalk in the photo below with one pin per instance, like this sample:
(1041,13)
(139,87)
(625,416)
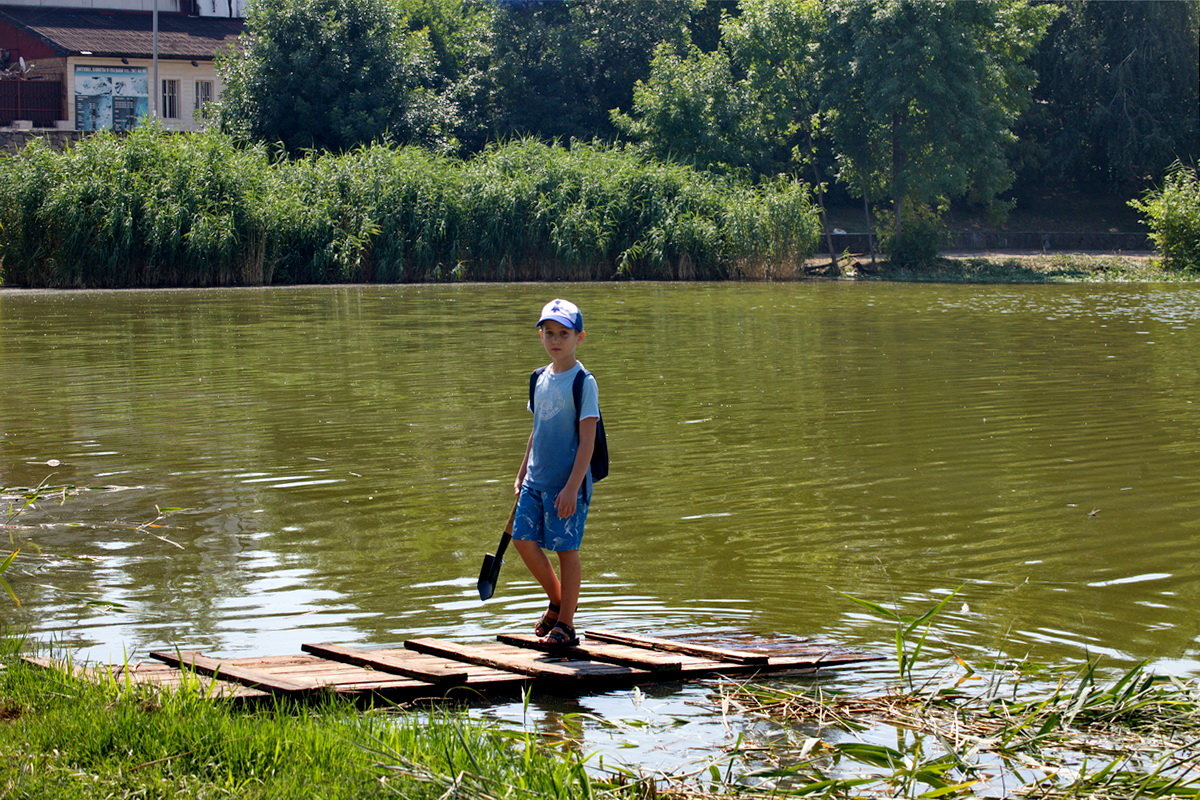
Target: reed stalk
(158,209)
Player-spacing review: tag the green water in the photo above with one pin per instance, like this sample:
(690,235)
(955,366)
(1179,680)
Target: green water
(342,458)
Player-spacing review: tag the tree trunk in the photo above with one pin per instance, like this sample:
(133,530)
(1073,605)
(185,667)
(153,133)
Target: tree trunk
(898,165)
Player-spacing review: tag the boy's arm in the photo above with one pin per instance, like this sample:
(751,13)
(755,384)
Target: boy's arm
(524,466)
(565,502)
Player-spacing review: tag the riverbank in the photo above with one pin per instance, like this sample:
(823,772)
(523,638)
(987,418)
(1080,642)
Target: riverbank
(1029,268)
(1009,267)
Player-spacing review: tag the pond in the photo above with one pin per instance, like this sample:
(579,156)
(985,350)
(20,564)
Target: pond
(259,468)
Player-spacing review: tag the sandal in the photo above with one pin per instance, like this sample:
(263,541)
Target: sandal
(561,635)
(546,623)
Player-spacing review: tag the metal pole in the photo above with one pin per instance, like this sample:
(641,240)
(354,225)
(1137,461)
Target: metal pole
(155,89)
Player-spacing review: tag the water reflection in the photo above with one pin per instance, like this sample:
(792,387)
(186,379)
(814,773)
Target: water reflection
(340,458)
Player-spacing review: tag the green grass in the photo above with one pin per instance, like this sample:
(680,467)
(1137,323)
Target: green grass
(62,737)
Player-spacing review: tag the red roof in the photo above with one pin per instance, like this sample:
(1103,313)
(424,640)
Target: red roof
(101,32)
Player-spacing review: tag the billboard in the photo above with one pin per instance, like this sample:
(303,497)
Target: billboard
(110,97)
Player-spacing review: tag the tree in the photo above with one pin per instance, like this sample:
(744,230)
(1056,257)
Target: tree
(692,109)
(1118,99)
(460,37)
(750,103)
(921,96)
(332,74)
(561,67)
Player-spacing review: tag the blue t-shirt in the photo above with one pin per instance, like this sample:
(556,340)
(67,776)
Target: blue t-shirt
(555,441)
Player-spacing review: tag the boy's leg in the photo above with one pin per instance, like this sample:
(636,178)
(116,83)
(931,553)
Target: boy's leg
(572,574)
(542,570)
(529,530)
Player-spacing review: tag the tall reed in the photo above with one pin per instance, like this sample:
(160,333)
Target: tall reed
(160,209)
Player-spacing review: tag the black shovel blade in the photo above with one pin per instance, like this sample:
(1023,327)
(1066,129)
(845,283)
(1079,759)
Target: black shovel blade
(489,574)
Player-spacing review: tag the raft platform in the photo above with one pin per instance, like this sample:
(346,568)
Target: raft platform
(430,668)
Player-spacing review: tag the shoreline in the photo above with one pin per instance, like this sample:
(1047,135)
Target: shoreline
(957,266)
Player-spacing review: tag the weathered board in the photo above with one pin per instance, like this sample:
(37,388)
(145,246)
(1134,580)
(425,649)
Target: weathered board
(434,668)
(674,646)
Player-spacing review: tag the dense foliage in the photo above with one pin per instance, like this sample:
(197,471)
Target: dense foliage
(907,104)
(332,74)
(159,209)
(1117,99)
(1173,213)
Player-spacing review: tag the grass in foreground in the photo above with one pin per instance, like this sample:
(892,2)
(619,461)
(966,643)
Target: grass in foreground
(62,737)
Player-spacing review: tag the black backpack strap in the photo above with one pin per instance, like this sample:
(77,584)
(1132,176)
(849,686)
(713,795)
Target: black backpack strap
(533,379)
(577,393)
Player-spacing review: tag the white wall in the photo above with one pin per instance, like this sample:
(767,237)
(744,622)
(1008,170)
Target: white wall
(207,8)
(221,8)
(118,5)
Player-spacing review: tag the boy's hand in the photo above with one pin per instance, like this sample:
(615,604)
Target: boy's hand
(564,504)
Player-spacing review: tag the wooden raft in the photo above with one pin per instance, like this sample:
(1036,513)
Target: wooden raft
(434,668)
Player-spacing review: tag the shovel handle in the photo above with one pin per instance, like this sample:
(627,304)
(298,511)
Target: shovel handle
(504,540)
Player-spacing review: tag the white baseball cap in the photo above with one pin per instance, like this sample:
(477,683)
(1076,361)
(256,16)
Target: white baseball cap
(564,312)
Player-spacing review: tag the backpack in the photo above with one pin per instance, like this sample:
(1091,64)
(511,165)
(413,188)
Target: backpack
(599,462)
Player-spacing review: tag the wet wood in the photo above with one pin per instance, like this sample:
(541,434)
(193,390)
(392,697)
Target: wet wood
(398,662)
(612,654)
(519,659)
(676,646)
(430,668)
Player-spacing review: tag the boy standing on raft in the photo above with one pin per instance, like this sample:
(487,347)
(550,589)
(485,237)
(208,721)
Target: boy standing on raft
(554,483)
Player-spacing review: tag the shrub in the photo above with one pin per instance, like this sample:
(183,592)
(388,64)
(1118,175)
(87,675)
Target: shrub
(920,238)
(1173,214)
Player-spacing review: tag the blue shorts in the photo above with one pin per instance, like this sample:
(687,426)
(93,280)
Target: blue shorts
(537,521)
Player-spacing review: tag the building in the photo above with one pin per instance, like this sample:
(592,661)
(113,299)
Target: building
(101,64)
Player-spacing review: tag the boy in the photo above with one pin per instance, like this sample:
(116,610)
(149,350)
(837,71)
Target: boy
(553,486)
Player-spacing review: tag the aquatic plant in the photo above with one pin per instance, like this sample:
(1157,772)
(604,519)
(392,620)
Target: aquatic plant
(911,630)
(159,209)
(1136,736)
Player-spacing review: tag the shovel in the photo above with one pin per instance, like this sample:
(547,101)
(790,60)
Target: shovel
(490,572)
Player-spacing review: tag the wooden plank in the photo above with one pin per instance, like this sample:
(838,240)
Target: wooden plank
(528,662)
(399,662)
(673,646)
(247,676)
(613,654)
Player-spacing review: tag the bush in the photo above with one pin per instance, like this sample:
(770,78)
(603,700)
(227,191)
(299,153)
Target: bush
(922,235)
(1173,214)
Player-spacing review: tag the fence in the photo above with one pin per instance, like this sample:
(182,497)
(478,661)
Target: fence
(40,101)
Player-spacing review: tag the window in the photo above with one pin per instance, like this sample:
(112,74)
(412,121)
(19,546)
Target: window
(204,94)
(170,99)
